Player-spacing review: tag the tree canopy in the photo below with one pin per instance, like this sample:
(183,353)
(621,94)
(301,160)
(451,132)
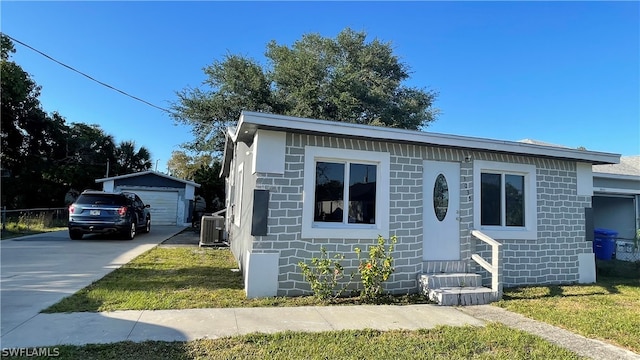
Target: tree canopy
(41,155)
(344,79)
(204,170)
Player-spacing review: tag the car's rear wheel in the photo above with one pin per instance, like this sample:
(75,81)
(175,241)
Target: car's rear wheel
(75,235)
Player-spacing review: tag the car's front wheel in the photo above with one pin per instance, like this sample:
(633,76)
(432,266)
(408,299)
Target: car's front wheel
(131,233)
(75,235)
(147,225)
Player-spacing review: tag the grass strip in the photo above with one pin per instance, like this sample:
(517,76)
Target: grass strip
(608,310)
(493,341)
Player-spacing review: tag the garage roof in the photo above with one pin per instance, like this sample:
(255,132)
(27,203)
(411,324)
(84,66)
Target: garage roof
(148,172)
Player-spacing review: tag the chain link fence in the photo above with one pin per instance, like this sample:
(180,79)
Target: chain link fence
(627,250)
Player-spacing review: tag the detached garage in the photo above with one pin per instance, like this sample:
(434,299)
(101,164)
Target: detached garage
(169,197)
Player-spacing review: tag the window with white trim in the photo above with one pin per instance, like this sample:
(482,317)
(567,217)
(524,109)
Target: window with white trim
(331,192)
(346,193)
(505,200)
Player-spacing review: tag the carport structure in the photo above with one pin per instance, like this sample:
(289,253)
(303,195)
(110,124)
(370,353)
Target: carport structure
(171,198)
(616,200)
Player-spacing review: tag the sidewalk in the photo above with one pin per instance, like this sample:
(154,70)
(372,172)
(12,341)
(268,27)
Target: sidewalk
(192,324)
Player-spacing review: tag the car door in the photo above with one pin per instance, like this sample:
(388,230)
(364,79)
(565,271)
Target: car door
(139,209)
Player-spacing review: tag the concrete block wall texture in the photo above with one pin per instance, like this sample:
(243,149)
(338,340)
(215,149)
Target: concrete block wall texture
(550,259)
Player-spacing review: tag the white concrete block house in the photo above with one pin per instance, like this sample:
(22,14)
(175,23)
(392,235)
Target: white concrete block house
(466,211)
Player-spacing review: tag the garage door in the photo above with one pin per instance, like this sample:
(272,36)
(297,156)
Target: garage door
(164,205)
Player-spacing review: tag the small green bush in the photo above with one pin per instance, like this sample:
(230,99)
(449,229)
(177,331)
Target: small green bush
(376,269)
(325,274)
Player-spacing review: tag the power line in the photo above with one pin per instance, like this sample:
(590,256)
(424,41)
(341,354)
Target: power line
(85,75)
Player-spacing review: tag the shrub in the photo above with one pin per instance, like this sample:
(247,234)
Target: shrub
(376,269)
(324,275)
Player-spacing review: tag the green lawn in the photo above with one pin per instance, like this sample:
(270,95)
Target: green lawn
(31,224)
(170,278)
(179,278)
(182,278)
(491,342)
(608,310)
(13,231)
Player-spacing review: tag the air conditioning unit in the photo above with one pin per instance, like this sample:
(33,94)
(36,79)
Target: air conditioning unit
(211,227)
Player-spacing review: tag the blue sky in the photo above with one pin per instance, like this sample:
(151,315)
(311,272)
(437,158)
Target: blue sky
(561,72)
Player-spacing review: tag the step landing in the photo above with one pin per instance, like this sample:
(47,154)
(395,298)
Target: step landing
(455,289)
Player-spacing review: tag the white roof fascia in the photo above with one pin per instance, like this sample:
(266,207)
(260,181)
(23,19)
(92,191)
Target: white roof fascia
(602,175)
(272,121)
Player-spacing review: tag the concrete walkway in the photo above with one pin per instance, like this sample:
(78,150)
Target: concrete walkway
(590,348)
(192,324)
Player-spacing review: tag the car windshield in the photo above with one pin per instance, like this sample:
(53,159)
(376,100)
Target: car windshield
(99,199)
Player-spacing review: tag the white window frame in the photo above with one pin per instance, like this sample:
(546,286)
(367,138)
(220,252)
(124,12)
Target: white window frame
(527,232)
(237,206)
(312,229)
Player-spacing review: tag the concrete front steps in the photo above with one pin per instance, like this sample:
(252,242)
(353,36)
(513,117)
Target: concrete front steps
(454,289)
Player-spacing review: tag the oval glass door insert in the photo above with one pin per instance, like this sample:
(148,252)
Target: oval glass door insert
(440,197)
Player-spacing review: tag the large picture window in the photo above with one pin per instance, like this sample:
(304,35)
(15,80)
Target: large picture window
(346,193)
(504,202)
(330,192)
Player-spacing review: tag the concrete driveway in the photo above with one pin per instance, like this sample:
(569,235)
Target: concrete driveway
(37,271)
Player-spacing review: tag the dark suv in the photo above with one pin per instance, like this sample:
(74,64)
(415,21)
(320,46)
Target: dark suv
(102,212)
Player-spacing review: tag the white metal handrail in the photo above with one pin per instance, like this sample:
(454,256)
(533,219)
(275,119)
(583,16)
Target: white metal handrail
(495,267)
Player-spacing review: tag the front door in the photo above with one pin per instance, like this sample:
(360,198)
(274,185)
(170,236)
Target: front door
(441,200)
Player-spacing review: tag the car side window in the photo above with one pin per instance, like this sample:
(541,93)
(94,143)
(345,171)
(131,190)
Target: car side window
(139,202)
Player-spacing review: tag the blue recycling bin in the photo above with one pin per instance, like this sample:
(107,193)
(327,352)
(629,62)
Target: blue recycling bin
(604,243)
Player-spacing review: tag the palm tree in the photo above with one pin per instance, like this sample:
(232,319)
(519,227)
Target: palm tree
(129,160)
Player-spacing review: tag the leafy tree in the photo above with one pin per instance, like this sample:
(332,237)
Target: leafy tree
(184,166)
(211,185)
(343,79)
(24,123)
(129,160)
(29,137)
(85,153)
(204,170)
(44,156)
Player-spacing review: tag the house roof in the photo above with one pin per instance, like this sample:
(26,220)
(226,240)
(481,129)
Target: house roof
(629,167)
(538,142)
(250,122)
(148,172)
